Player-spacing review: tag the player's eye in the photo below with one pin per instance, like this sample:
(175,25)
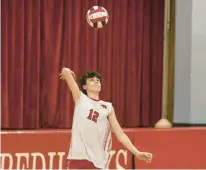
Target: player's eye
(91,79)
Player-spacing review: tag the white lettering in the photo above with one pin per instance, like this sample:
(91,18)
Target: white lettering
(61,155)
(124,153)
(3,156)
(114,153)
(51,159)
(111,154)
(35,155)
(36,159)
(18,164)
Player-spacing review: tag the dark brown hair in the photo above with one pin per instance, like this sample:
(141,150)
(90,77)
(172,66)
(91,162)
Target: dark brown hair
(89,74)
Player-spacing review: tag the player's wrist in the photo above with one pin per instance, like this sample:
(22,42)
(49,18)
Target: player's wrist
(137,153)
(67,77)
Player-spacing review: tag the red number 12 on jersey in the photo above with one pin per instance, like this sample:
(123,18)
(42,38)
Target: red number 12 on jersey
(93,115)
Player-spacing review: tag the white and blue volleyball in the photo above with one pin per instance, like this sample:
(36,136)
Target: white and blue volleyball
(97,17)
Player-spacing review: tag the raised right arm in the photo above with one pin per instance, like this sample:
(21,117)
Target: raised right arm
(69,77)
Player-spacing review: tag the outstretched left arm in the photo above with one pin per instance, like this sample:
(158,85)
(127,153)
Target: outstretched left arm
(119,133)
(123,138)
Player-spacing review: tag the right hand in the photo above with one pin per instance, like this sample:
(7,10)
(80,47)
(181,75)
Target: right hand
(65,73)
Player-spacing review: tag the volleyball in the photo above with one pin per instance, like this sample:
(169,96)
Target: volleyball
(97,17)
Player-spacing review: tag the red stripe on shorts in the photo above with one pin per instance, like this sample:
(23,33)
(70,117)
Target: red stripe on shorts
(80,164)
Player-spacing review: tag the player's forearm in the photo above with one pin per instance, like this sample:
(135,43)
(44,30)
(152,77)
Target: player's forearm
(72,85)
(124,140)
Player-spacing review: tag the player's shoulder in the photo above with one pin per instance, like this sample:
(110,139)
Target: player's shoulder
(106,102)
(83,96)
(106,105)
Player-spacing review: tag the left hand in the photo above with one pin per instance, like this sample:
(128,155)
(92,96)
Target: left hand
(144,156)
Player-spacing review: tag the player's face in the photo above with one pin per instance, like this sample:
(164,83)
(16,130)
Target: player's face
(93,85)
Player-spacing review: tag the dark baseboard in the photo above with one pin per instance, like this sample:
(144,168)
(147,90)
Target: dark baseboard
(188,125)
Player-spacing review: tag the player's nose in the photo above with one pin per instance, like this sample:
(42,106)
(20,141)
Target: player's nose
(96,82)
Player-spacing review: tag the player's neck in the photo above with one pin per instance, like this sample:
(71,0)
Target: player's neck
(93,96)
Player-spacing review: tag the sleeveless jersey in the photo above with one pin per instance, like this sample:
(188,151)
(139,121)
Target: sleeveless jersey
(91,133)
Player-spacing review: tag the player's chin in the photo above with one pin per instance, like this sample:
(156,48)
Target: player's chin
(97,88)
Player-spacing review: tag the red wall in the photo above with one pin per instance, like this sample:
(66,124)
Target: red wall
(173,148)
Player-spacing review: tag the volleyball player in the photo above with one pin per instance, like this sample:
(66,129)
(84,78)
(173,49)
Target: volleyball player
(93,121)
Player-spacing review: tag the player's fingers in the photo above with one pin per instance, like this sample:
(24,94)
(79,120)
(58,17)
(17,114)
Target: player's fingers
(62,77)
(149,155)
(148,161)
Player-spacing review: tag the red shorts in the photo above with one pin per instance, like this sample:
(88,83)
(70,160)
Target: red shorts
(80,164)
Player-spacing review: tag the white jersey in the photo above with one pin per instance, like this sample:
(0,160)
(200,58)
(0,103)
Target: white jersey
(91,133)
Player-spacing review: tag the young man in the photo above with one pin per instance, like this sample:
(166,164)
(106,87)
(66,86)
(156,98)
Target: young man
(93,122)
